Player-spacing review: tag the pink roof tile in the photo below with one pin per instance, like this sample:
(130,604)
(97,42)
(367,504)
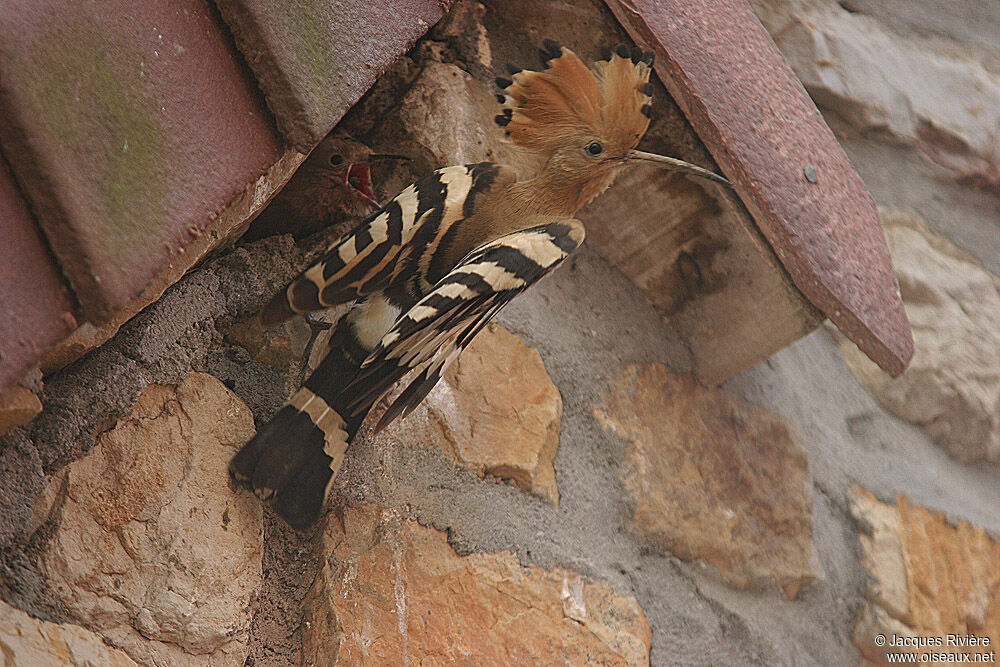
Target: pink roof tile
(768,137)
(314,59)
(129,125)
(36,306)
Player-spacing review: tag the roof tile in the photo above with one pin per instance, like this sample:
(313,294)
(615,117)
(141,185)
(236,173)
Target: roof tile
(36,306)
(767,135)
(314,59)
(129,124)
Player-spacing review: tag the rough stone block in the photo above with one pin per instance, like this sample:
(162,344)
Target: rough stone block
(17,406)
(151,549)
(952,387)
(392,592)
(928,577)
(908,94)
(496,411)
(26,641)
(713,478)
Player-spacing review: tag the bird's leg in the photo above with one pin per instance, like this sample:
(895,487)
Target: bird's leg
(317,325)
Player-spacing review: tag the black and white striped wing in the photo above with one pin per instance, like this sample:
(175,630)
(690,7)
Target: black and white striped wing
(431,335)
(369,259)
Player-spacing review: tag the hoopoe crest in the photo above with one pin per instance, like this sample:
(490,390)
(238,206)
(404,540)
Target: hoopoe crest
(432,267)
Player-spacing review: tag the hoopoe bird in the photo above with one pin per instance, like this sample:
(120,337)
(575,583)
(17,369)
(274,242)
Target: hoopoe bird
(429,270)
(334,181)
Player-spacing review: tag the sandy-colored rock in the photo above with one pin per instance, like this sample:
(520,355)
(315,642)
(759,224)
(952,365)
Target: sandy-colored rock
(952,386)
(714,478)
(883,556)
(919,91)
(448,119)
(18,406)
(283,347)
(29,642)
(462,28)
(495,411)
(152,549)
(393,592)
(928,577)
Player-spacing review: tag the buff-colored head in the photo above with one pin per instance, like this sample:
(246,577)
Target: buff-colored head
(585,121)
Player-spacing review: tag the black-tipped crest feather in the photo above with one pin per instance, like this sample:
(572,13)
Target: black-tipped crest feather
(568,99)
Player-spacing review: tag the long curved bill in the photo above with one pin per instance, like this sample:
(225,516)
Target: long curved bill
(677,165)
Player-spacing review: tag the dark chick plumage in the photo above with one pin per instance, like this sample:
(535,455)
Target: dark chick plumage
(431,268)
(332,186)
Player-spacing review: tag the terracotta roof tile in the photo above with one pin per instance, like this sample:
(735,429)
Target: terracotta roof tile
(36,306)
(129,125)
(767,135)
(314,59)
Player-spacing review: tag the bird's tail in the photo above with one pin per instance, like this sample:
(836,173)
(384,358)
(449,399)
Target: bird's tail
(294,456)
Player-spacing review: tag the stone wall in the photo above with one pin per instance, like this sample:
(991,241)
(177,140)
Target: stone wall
(569,492)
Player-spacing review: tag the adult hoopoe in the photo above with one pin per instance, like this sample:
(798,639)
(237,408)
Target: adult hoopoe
(431,268)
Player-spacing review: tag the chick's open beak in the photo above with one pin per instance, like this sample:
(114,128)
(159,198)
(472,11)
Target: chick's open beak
(358,176)
(674,164)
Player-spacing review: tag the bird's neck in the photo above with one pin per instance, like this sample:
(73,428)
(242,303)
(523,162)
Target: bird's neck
(551,195)
(554,192)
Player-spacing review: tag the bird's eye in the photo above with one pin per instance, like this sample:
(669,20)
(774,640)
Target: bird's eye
(336,160)
(595,148)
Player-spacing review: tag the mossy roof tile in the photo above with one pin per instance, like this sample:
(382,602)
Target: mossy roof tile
(129,125)
(36,306)
(766,134)
(315,58)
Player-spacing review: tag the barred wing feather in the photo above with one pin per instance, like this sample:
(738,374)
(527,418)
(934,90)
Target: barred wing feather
(430,336)
(369,259)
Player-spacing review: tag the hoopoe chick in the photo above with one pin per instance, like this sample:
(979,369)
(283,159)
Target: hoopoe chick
(430,269)
(334,183)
